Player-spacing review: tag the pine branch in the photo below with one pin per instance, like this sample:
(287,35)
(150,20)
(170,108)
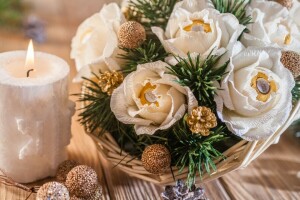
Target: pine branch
(296,91)
(96,114)
(149,51)
(151,12)
(235,7)
(195,151)
(200,75)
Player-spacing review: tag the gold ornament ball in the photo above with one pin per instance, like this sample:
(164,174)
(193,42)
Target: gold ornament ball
(286,3)
(76,198)
(82,181)
(64,168)
(291,60)
(156,159)
(95,196)
(53,191)
(131,35)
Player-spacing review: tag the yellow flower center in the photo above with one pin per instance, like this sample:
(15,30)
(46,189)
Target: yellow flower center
(147,96)
(198,25)
(263,86)
(288,39)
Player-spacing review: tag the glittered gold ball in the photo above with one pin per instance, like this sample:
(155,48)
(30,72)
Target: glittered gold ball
(95,196)
(82,181)
(291,60)
(53,191)
(76,198)
(64,168)
(131,35)
(286,3)
(156,159)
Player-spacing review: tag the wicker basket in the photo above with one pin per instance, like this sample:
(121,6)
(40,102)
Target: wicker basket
(238,156)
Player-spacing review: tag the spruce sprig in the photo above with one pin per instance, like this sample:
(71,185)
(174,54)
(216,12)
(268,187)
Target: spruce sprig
(96,113)
(194,150)
(296,91)
(149,51)
(237,8)
(199,75)
(151,12)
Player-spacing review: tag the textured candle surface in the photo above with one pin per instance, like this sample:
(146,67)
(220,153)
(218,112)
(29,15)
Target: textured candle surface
(35,116)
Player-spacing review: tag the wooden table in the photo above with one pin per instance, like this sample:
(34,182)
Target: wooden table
(274,175)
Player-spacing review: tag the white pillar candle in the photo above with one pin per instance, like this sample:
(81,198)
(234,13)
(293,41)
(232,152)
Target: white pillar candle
(35,115)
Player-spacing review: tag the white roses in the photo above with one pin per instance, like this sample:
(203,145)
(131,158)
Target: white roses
(95,45)
(272,26)
(195,28)
(151,99)
(256,98)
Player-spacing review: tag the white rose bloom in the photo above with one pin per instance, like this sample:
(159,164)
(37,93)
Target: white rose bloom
(95,45)
(255,100)
(151,99)
(195,28)
(271,26)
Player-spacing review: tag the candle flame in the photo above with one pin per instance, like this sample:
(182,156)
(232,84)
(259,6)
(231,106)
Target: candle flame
(29,63)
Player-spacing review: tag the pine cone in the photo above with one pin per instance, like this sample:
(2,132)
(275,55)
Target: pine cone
(108,81)
(201,120)
(181,192)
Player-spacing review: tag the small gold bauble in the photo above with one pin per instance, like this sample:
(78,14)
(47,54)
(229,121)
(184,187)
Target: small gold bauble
(97,195)
(201,120)
(291,60)
(53,191)
(64,168)
(76,198)
(286,3)
(131,35)
(156,158)
(82,181)
(108,81)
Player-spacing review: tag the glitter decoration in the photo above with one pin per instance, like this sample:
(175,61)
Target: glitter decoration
(156,158)
(108,81)
(82,181)
(181,191)
(291,61)
(97,194)
(53,191)
(64,168)
(131,35)
(201,120)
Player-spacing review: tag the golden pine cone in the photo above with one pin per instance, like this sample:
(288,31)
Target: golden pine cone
(108,81)
(201,120)
(156,158)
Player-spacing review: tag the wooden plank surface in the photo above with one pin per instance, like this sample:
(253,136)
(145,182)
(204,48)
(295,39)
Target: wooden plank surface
(275,175)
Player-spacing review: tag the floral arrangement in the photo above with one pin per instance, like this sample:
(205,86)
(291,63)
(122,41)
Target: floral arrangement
(176,83)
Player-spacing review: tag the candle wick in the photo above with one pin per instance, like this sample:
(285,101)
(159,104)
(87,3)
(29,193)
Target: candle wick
(28,72)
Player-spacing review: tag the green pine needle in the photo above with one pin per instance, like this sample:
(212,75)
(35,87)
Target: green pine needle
(199,75)
(96,113)
(296,91)
(194,150)
(149,51)
(151,12)
(235,7)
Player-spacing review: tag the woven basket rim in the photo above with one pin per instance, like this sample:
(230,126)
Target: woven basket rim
(238,156)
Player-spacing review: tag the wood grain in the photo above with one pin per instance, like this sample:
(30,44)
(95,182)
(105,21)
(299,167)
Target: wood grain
(275,175)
